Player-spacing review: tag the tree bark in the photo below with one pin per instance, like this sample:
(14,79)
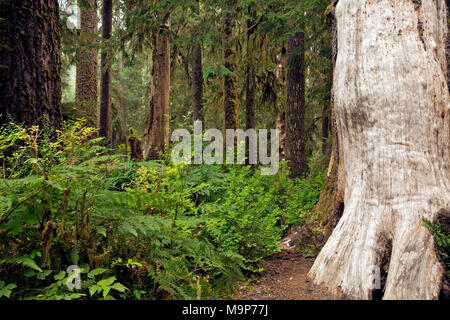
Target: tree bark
(281,106)
(331,202)
(197,83)
(158,129)
(447,49)
(30,64)
(250,81)
(229,87)
(105,121)
(325,130)
(136,153)
(197,75)
(392,108)
(122,108)
(295,106)
(86,75)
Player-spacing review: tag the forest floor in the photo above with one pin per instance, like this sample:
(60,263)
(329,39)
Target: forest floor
(284,278)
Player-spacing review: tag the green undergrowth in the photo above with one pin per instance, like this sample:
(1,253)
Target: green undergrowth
(442,240)
(80,222)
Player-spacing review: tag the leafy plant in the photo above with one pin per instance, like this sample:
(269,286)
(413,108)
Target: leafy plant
(6,289)
(442,241)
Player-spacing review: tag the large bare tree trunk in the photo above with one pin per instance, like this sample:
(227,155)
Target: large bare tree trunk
(30,63)
(158,130)
(392,108)
(86,77)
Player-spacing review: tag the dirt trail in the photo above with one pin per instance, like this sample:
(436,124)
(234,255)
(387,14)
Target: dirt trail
(284,278)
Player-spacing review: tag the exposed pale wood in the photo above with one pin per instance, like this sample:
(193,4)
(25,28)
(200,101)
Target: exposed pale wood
(392,108)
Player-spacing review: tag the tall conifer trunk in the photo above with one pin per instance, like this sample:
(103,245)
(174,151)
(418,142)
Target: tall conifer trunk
(295,106)
(197,83)
(280,121)
(158,129)
(197,74)
(86,77)
(30,64)
(105,121)
(229,87)
(250,80)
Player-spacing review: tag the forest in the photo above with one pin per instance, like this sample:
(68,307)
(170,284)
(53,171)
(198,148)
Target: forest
(224,150)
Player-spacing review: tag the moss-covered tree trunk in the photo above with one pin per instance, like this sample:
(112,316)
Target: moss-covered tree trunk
(250,78)
(197,73)
(105,116)
(197,82)
(86,92)
(229,83)
(158,129)
(331,201)
(30,64)
(295,106)
(280,121)
(250,81)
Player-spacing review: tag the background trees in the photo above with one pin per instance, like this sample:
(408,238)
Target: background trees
(230,64)
(211,45)
(187,232)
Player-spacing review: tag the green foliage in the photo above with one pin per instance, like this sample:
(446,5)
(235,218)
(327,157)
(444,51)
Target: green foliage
(442,241)
(144,230)
(6,289)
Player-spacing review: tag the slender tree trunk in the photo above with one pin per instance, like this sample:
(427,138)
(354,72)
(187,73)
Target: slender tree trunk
(250,84)
(86,76)
(121,108)
(229,87)
(392,107)
(30,64)
(281,116)
(250,81)
(197,75)
(158,130)
(197,83)
(295,106)
(105,121)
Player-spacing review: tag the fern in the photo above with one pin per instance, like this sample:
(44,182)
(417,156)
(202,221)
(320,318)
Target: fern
(442,241)
(25,261)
